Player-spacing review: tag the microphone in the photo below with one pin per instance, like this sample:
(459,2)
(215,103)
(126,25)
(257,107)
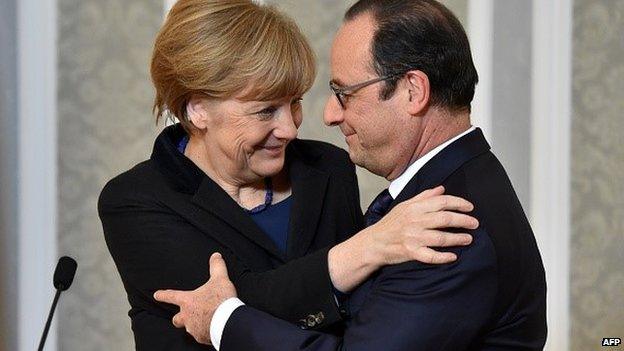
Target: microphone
(63,278)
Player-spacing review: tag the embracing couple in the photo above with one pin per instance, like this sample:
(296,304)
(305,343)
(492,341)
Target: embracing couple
(444,259)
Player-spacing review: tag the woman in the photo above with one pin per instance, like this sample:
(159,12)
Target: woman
(232,177)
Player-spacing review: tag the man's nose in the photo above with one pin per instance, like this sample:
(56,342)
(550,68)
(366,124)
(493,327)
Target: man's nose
(333,114)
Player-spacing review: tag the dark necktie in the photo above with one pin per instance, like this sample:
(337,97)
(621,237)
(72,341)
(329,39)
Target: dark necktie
(378,208)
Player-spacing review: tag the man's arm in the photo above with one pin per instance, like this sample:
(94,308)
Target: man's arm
(411,306)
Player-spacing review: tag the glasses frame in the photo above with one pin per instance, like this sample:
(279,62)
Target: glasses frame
(342,93)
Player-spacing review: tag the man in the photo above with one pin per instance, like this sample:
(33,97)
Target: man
(404,79)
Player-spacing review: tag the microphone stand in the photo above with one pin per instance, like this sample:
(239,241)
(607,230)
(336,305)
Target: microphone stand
(47,326)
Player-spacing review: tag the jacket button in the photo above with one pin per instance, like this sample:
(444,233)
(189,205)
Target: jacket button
(311,321)
(303,324)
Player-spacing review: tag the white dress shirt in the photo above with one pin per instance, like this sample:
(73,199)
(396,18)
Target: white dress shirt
(225,309)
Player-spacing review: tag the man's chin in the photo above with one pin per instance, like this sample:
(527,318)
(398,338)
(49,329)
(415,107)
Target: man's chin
(356,157)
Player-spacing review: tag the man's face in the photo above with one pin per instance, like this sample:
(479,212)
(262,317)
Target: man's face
(374,129)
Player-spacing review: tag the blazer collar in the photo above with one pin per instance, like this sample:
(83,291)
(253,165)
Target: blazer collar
(308,191)
(309,187)
(442,165)
(180,172)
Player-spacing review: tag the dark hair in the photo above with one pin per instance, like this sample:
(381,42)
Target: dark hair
(421,35)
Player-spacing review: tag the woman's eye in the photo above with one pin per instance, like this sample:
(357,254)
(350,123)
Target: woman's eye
(267,112)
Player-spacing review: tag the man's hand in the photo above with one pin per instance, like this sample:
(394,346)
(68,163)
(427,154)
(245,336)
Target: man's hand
(198,306)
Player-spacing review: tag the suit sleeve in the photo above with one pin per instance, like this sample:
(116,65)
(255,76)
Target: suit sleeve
(408,307)
(153,248)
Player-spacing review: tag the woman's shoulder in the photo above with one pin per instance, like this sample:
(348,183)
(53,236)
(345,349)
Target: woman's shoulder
(135,183)
(321,152)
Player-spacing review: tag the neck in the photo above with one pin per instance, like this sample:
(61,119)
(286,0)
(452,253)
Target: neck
(437,128)
(246,192)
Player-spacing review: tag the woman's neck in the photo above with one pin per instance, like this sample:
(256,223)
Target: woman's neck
(248,193)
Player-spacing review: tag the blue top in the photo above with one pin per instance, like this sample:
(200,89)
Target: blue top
(273,219)
(274,222)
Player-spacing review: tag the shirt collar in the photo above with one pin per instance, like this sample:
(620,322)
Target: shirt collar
(397,185)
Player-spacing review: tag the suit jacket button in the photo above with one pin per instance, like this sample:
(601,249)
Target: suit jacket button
(311,321)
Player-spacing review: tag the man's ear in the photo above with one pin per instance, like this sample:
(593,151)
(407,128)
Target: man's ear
(418,89)
(197,113)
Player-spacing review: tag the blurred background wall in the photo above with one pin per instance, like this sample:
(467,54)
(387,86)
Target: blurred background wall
(105,127)
(597,246)
(104,95)
(8,174)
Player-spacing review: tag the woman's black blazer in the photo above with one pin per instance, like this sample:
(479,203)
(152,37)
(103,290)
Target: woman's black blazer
(163,218)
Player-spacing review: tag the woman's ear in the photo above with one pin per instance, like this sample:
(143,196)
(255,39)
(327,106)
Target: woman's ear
(419,90)
(197,113)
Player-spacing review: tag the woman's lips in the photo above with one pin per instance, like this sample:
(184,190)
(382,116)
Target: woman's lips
(272,150)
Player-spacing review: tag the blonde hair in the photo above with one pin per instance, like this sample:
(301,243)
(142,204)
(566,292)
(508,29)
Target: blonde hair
(225,48)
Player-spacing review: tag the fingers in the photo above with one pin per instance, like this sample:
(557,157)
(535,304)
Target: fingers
(427,255)
(178,321)
(436,238)
(218,269)
(445,202)
(173,297)
(439,190)
(446,219)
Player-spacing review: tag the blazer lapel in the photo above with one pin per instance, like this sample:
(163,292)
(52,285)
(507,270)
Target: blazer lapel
(212,198)
(442,165)
(309,186)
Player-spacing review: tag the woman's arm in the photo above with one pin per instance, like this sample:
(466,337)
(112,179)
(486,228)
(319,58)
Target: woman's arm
(154,248)
(406,233)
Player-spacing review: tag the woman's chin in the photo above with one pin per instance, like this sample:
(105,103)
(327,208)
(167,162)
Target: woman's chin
(268,167)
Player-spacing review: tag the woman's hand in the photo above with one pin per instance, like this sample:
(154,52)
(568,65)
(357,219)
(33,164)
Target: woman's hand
(407,233)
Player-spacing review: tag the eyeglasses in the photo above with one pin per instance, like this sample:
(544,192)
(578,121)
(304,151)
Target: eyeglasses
(342,93)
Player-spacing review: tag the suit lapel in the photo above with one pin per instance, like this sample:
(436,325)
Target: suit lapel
(309,187)
(432,174)
(213,199)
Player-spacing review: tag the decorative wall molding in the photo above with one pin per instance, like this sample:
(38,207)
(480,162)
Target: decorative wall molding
(480,33)
(37,169)
(550,156)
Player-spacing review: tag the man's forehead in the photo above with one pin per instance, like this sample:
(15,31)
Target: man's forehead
(351,52)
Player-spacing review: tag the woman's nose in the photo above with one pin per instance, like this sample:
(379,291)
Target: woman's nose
(286,128)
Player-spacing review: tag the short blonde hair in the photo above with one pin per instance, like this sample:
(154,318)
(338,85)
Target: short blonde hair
(224,48)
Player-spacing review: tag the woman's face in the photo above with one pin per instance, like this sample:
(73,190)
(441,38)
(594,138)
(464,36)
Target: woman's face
(246,140)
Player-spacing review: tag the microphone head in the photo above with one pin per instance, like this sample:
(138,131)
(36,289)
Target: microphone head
(64,273)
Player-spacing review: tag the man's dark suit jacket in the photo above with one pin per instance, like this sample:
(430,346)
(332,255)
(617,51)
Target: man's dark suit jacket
(164,218)
(492,298)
